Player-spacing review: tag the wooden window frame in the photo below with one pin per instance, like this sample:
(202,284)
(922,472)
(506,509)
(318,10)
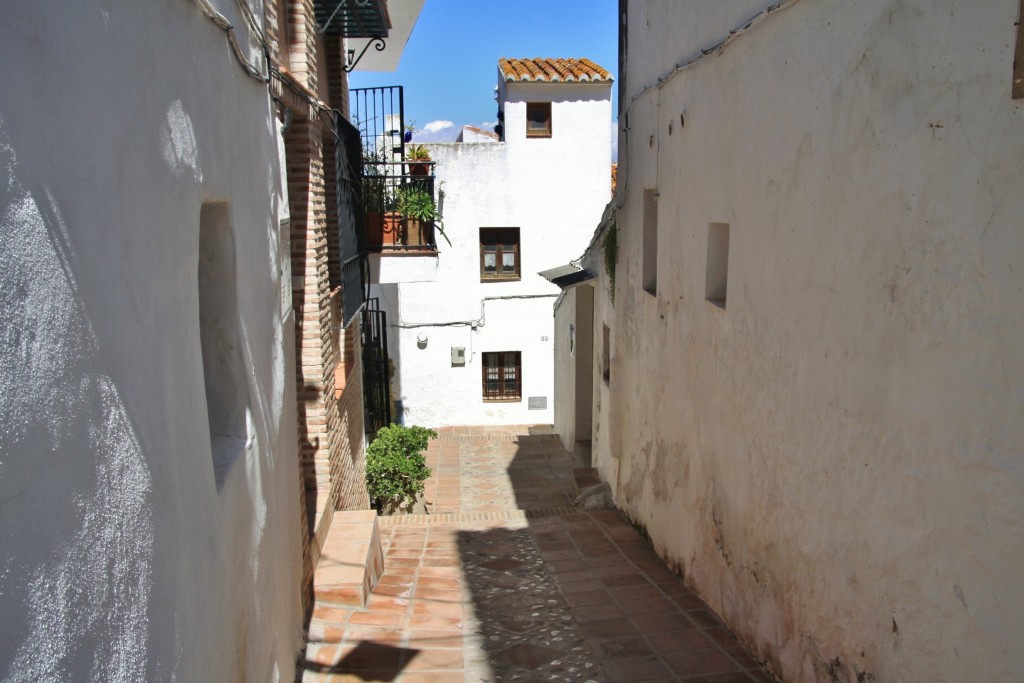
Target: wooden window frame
(509,390)
(538,133)
(498,237)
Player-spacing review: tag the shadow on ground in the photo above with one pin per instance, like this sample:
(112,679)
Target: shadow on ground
(573,596)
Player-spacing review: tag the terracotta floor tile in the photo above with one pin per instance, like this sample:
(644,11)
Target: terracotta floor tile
(580,586)
(663,623)
(628,669)
(598,597)
(700,663)
(435,659)
(608,628)
(621,647)
(457,676)
(597,613)
(629,593)
(681,641)
(487,593)
(639,608)
(378,618)
(624,580)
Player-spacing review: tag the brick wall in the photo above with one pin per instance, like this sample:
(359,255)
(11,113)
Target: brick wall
(330,419)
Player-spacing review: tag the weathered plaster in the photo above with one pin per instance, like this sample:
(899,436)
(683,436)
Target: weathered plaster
(121,560)
(833,459)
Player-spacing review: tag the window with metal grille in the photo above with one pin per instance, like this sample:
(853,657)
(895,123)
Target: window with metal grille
(499,254)
(538,119)
(503,376)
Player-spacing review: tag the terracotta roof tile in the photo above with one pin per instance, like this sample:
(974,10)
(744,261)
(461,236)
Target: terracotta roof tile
(552,70)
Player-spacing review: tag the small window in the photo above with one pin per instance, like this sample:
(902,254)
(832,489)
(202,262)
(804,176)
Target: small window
(717,277)
(499,254)
(606,354)
(650,245)
(538,119)
(503,376)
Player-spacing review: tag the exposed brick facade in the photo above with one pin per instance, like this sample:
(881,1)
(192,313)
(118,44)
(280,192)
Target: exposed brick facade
(328,367)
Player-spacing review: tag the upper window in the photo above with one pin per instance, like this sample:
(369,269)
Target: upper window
(538,119)
(503,376)
(499,254)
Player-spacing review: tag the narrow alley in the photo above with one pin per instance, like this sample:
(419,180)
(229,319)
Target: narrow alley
(504,581)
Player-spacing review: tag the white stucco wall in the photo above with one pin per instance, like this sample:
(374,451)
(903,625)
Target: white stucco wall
(834,459)
(553,190)
(120,559)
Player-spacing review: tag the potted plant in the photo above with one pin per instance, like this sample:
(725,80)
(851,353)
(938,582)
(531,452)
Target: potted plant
(420,211)
(418,157)
(382,220)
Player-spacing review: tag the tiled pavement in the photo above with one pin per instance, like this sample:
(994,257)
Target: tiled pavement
(504,582)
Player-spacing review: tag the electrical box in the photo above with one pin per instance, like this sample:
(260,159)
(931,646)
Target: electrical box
(458,355)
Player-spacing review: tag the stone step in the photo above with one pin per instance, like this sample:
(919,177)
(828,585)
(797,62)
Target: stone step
(584,477)
(351,560)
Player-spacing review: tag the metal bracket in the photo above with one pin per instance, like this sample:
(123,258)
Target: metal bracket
(378,44)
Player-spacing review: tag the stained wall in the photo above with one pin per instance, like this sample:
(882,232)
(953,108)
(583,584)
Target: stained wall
(832,454)
(124,557)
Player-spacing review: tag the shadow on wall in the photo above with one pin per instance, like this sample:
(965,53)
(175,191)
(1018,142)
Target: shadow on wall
(75,488)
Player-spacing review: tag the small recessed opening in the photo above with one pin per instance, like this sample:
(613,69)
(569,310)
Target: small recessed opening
(650,245)
(717,282)
(606,354)
(220,338)
(1017,91)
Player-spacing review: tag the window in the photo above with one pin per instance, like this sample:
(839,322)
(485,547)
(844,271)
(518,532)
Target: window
(499,254)
(717,279)
(606,354)
(503,376)
(538,119)
(650,246)
(220,339)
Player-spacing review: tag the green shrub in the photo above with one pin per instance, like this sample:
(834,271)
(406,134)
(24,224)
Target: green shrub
(396,468)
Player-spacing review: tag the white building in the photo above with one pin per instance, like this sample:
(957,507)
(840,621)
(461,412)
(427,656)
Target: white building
(152,524)
(804,372)
(472,339)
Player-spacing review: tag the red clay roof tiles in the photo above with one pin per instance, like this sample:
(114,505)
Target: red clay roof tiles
(552,70)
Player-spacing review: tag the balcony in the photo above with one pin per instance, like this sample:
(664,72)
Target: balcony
(400,212)
(401,206)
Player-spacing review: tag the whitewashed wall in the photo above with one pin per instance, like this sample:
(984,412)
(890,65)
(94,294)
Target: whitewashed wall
(120,559)
(553,190)
(834,459)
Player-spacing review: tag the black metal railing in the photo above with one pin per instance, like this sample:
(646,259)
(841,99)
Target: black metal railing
(379,114)
(401,206)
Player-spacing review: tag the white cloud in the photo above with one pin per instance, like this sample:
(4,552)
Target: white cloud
(436,126)
(488,125)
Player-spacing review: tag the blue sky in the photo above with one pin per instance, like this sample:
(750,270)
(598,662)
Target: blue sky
(449,67)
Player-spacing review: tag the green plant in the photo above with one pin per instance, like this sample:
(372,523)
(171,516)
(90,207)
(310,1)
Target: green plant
(610,247)
(396,468)
(417,153)
(416,203)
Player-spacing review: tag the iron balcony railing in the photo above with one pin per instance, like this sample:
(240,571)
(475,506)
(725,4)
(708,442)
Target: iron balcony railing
(401,206)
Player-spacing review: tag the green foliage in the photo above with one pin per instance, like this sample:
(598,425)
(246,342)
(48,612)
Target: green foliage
(415,202)
(396,468)
(610,246)
(417,153)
